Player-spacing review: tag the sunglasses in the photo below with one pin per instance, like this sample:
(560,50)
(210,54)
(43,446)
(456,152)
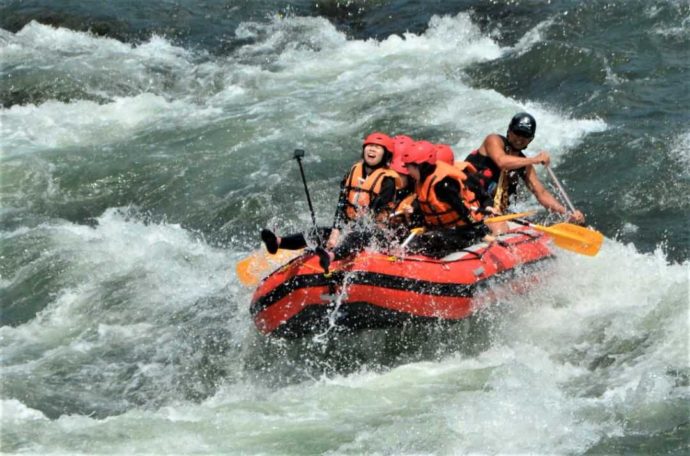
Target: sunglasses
(523,134)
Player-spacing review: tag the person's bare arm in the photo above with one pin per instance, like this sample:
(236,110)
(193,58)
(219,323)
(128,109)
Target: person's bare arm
(493,146)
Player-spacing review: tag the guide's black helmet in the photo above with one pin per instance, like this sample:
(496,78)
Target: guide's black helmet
(523,124)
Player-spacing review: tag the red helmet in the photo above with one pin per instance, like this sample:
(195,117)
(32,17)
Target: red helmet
(419,152)
(380,139)
(445,154)
(400,143)
(397,165)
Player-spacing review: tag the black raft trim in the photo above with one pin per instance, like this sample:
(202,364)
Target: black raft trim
(453,290)
(349,317)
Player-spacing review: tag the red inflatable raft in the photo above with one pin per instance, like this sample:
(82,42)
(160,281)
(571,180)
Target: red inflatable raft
(377,290)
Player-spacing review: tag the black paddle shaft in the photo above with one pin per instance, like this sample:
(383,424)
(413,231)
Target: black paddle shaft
(299,153)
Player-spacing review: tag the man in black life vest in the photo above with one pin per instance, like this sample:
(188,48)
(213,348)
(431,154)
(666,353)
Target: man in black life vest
(451,206)
(501,164)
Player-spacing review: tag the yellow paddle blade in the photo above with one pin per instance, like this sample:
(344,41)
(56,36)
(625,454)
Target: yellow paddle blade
(574,238)
(504,218)
(260,263)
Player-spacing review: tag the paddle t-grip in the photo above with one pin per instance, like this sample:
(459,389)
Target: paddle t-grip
(297,155)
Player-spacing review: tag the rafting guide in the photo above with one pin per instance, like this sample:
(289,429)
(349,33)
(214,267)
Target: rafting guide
(501,164)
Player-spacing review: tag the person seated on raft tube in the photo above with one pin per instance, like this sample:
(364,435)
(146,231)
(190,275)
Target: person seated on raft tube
(501,163)
(369,188)
(407,214)
(451,201)
(369,191)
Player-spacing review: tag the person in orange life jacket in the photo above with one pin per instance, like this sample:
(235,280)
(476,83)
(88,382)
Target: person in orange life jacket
(501,163)
(367,191)
(452,210)
(406,214)
(445,154)
(407,211)
(369,188)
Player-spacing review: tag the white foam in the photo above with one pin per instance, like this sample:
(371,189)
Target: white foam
(162,268)
(527,393)
(84,123)
(681,32)
(152,86)
(425,70)
(300,75)
(36,36)
(630,228)
(521,408)
(15,412)
(680,151)
(533,36)
(61,48)
(449,41)
(558,132)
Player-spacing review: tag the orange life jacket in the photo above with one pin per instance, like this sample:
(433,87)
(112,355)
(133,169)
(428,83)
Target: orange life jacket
(361,191)
(404,209)
(405,205)
(438,213)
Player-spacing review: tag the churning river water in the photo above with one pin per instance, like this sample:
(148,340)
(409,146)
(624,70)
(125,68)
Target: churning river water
(144,144)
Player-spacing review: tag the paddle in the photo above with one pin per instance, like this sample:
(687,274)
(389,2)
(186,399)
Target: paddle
(567,236)
(298,154)
(505,218)
(413,233)
(502,218)
(571,237)
(560,189)
(581,240)
(259,263)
